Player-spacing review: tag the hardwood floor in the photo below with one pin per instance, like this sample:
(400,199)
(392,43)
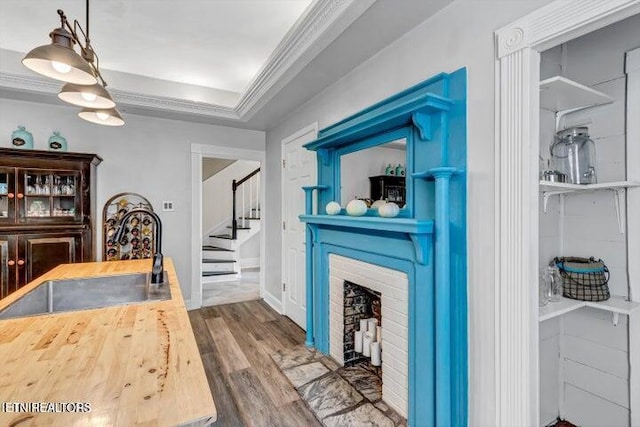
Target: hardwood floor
(236,342)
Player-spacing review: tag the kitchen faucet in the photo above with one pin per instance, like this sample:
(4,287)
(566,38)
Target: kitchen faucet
(157,270)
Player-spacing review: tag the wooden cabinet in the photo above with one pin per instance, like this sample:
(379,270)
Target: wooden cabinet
(47,213)
(389,187)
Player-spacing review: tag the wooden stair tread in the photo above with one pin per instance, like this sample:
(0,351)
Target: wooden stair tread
(215,249)
(217,273)
(217,261)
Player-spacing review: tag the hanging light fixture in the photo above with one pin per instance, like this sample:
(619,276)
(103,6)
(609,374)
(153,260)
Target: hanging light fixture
(107,117)
(85,86)
(94,96)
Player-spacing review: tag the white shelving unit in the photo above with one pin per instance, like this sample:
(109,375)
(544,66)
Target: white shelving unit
(564,96)
(549,189)
(616,305)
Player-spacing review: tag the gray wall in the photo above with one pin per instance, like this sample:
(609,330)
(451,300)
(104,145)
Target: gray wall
(147,156)
(461,35)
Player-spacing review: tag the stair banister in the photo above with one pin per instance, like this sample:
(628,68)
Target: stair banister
(234,187)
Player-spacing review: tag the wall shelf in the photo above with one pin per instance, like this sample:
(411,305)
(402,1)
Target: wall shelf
(616,305)
(549,189)
(561,94)
(564,96)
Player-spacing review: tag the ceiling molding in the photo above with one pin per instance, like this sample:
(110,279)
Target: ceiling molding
(300,41)
(174,104)
(307,31)
(29,83)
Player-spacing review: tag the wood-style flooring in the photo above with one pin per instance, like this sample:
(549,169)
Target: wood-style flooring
(236,342)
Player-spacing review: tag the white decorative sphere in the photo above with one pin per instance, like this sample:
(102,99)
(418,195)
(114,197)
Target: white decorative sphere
(378,203)
(333,208)
(389,210)
(356,208)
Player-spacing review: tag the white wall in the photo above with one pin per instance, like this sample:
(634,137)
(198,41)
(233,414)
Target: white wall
(460,35)
(588,352)
(217,196)
(147,156)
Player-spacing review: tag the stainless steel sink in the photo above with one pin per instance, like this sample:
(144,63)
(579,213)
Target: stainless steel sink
(55,296)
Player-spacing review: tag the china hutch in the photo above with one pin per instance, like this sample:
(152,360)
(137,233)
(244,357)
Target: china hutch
(47,213)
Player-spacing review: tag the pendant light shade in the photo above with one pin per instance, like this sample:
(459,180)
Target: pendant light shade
(108,117)
(59,61)
(94,96)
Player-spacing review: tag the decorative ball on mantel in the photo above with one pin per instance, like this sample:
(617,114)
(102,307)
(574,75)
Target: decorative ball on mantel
(389,210)
(356,207)
(333,208)
(378,203)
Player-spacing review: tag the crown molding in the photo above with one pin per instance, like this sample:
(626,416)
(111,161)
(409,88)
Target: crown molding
(299,40)
(29,83)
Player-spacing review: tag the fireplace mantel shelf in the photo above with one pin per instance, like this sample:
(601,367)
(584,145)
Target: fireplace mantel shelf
(419,231)
(400,225)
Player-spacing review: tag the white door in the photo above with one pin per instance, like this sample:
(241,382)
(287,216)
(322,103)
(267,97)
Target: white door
(298,170)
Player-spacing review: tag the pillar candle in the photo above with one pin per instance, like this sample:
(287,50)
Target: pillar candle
(363,325)
(378,333)
(366,345)
(372,325)
(376,354)
(358,346)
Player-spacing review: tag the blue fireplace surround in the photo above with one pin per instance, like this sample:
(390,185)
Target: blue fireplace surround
(427,241)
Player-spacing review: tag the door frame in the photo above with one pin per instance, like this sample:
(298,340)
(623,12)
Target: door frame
(198,152)
(312,128)
(517,73)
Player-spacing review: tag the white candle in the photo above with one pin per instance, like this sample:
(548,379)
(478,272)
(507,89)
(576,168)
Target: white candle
(372,326)
(376,354)
(378,333)
(359,341)
(363,325)
(366,345)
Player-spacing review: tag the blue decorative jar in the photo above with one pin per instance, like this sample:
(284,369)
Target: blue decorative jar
(57,142)
(21,138)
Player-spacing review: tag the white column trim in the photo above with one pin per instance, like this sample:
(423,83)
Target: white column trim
(517,47)
(517,227)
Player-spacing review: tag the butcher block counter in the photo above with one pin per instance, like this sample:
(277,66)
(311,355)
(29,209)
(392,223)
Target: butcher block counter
(135,364)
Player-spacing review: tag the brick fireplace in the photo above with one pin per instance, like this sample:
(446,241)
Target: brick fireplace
(393,287)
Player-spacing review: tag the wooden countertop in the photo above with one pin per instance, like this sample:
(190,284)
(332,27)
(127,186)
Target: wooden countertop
(134,364)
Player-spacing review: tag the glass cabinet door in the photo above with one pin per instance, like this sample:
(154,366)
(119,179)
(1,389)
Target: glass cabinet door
(50,195)
(7,195)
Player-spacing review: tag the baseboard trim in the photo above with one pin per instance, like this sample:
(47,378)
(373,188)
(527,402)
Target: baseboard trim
(250,262)
(274,302)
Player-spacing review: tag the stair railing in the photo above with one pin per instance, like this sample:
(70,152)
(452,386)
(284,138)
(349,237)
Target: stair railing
(250,197)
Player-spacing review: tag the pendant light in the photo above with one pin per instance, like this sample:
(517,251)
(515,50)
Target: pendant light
(94,96)
(59,61)
(85,86)
(107,117)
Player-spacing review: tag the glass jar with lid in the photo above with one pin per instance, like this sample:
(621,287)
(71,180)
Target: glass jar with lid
(574,154)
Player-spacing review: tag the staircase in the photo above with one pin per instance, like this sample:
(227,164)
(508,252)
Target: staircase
(221,249)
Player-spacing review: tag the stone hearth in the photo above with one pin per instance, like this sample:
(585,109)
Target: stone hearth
(338,396)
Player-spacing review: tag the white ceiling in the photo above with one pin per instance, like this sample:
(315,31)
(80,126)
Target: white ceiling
(241,63)
(213,43)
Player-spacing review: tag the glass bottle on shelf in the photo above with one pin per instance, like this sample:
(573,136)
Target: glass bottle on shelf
(553,285)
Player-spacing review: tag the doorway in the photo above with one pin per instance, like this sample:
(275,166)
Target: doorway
(215,254)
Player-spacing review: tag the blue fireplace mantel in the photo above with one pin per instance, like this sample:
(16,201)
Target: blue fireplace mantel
(427,241)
